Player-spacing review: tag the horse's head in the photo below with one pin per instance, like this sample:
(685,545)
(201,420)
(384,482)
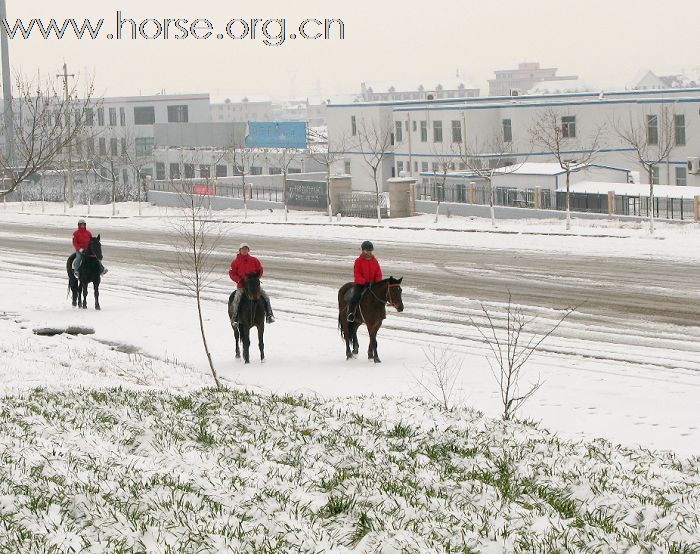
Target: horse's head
(252,286)
(393,293)
(95,247)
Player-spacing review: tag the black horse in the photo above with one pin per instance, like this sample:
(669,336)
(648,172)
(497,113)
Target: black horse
(371,311)
(89,272)
(251,313)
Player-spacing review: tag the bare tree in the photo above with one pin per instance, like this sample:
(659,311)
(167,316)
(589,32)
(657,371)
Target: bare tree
(376,143)
(285,157)
(498,152)
(443,370)
(652,139)
(443,163)
(197,238)
(327,155)
(46,122)
(559,138)
(509,354)
(242,158)
(136,157)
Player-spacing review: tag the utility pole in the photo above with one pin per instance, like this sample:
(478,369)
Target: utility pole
(7,91)
(65,76)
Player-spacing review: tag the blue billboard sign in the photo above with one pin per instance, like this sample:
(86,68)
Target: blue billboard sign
(276,134)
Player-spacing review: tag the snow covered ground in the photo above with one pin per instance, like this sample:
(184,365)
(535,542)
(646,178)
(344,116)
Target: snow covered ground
(146,336)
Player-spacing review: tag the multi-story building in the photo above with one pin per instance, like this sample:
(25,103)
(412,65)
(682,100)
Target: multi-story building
(425,133)
(510,82)
(389,92)
(243,111)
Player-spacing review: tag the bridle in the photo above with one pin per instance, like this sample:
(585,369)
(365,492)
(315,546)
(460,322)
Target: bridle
(388,301)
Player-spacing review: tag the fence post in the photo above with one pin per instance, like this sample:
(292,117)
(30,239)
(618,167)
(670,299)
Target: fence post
(538,197)
(611,202)
(696,206)
(472,192)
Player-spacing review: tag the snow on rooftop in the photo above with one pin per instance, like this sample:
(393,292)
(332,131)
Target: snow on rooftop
(560,86)
(535,168)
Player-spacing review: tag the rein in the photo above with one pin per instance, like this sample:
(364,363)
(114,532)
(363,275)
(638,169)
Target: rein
(388,301)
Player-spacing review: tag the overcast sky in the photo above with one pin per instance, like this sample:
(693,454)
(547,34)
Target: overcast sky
(605,42)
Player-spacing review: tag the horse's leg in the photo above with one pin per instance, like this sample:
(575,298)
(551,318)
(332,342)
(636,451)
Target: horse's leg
(373,343)
(261,344)
(83,294)
(96,286)
(355,343)
(237,336)
(245,336)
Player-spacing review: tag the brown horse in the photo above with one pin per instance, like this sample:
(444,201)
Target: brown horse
(251,313)
(371,310)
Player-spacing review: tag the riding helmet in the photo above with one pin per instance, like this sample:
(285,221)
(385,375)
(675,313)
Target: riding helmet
(367,245)
(244,245)
(81,221)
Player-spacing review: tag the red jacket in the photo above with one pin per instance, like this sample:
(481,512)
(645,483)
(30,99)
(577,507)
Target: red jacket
(367,271)
(241,266)
(81,239)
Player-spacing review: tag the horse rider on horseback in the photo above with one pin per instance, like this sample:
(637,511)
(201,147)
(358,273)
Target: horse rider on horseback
(241,266)
(81,240)
(367,271)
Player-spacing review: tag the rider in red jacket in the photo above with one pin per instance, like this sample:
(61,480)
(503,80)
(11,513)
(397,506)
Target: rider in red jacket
(367,271)
(241,266)
(81,240)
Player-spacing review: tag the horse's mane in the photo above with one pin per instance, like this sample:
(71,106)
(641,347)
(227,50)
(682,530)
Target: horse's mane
(389,280)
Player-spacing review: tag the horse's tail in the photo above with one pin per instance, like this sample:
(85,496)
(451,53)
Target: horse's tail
(340,324)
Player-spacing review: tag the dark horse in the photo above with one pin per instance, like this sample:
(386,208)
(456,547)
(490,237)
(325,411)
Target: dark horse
(371,311)
(251,313)
(89,272)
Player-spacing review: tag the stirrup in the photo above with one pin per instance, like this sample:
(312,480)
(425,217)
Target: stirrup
(76,274)
(104,271)
(270,318)
(351,317)
(234,324)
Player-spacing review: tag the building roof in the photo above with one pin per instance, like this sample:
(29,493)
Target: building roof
(449,83)
(548,168)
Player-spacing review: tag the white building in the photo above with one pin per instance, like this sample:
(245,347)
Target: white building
(429,131)
(428,90)
(243,111)
(511,82)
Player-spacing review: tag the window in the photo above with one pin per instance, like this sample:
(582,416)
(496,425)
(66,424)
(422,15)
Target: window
(113,117)
(294,170)
(144,146)
(415,167)
(399,167)
(204,171)
(103,146)
(652,129)
(437,131)
(424,131)
(101,117)
(353,125)
(90,146)
(160,171)
(177,114)
(123,147)
(414,125)
(89,117)
(435,167)
(508,130)
(256,170)
(679,129)
(122,117)
(113,147)
(347,168)
(424,167)
(144,115)
(456,131)
(275,171)
(221,170)
(399,132)
(681,176)
(568,126)
(189,171)
(125,176)
(174,171)
(655,174)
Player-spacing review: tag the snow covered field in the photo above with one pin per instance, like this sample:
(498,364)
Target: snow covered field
(146,339)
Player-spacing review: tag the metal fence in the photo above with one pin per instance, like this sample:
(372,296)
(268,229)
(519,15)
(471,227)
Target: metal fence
(271,192)
(664,207)
(363,204)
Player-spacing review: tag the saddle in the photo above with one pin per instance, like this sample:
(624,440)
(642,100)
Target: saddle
(348,294)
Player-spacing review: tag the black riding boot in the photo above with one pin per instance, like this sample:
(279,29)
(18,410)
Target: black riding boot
(269,316)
